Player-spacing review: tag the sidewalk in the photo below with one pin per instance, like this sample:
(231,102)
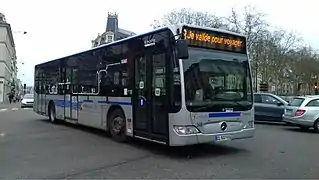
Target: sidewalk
(8,105)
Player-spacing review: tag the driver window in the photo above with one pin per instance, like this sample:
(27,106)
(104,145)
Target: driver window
(269,99)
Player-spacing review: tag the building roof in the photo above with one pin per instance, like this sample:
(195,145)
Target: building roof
(123,31)
(3,23)
(2,17)
(8,26)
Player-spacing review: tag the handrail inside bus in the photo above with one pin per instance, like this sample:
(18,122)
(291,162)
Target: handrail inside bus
(99,79)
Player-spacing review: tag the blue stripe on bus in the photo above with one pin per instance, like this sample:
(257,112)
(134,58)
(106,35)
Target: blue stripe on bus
(119,103)
(102,102)
(76,105)
(227,114)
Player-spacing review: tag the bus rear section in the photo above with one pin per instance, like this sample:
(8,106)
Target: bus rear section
(216,86)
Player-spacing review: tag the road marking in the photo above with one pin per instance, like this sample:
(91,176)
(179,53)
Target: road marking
(2,134)
(3,110)
(14,109)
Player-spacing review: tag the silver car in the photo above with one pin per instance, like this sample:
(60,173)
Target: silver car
(304,112)
(27,101)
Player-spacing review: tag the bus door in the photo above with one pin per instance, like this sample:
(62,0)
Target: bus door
(41,96)
(150,101)
(71,104)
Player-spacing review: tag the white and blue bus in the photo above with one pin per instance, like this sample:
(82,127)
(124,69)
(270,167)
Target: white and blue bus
(177,86)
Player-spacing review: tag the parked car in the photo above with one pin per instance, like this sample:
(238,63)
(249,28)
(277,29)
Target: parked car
(304,112)
(27,101)
(269,107)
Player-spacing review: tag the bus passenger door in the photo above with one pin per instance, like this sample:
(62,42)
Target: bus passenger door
(71,104)
(150,117)
(41,101)
(159,96)
(140,99)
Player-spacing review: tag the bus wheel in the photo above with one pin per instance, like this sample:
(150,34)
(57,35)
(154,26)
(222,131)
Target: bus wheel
(52,114)
(117,125)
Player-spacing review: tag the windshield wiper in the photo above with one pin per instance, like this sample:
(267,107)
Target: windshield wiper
(221,103)
(233,101)
(205,107)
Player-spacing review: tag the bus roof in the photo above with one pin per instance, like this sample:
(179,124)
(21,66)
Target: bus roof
(172,28)
(108,44)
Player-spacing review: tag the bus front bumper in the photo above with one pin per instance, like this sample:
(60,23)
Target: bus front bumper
(182,140)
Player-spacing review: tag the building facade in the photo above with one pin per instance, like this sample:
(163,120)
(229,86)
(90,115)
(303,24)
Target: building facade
(112,32)
(8,62)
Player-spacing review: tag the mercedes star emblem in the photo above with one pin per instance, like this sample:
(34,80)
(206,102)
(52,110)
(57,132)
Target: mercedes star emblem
(223,126)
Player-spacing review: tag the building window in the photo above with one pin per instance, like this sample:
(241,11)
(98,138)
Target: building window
(109,38)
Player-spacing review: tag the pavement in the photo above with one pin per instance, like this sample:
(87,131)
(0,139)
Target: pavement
(32,148)
(9,107)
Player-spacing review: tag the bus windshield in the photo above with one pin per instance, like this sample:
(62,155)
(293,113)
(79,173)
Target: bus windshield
(216,81)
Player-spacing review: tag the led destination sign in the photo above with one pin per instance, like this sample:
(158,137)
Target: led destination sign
(214,40)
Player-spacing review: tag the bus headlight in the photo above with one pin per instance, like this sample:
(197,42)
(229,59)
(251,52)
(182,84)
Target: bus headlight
(250,124)
(184,130)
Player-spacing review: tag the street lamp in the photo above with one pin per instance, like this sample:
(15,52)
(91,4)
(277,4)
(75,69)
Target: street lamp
(17,32)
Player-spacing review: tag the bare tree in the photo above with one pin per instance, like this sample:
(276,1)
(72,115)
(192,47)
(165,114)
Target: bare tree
(251,23)
(189,16)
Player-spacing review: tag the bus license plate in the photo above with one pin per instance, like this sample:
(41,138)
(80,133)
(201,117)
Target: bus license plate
(222,138)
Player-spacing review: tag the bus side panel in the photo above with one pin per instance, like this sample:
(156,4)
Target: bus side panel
(126,104)
(59,105)
(91,111)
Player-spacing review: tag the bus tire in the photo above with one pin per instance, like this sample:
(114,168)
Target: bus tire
(52,113)
(117,125)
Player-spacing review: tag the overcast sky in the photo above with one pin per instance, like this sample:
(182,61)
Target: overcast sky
(62,27)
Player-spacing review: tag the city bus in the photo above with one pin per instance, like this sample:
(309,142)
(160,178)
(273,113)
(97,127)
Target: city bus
(179,85)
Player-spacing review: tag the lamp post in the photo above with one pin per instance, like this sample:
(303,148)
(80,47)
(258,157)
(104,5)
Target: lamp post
(17,32)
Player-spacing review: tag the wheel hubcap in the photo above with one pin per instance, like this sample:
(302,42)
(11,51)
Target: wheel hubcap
(117,124)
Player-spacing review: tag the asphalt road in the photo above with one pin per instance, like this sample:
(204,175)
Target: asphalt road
(32,148)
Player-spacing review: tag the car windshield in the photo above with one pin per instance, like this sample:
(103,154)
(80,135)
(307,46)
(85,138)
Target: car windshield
(28,96)
(217,80)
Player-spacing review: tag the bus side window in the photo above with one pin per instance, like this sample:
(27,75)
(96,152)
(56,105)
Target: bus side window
(116,80)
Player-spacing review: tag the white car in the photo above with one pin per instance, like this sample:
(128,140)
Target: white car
(304,112)
(27,101)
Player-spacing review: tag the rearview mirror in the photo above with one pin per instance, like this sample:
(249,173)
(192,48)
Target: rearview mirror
(280,103)
(199,95)
(182,49)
